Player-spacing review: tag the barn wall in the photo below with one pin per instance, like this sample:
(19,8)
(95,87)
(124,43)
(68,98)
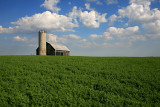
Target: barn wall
(66,53)
(50,49)
(59,53)
(62,53)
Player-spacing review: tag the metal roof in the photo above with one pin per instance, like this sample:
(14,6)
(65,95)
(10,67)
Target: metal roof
(59,47)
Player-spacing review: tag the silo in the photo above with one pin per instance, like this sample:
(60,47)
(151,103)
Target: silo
(42,42)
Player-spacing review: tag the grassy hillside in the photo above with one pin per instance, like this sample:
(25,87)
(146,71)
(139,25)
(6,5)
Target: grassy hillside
(79,81)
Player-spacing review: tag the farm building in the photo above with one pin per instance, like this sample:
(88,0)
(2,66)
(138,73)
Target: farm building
(55,49)
(46,48)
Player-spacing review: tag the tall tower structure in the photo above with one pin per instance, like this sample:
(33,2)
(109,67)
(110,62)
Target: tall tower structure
(42,42)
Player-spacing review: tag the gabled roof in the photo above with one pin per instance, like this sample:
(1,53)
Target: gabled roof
(59,46)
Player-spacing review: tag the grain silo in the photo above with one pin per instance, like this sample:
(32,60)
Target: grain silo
(42,42)
(46,48)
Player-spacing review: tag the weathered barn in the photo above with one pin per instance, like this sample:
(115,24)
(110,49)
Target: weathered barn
(46,48)
(55,49)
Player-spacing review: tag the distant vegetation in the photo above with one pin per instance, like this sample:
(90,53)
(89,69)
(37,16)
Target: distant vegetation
(79,81)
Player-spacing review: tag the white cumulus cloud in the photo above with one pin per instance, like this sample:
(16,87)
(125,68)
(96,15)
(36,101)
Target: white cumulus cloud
(51,5)
(140,13)
(51,22)
(130,34)
(122,33)
(90,19)
(153,29)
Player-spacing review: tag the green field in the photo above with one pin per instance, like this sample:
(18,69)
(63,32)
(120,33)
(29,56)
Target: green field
(79,81)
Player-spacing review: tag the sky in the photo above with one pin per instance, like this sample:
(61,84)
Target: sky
(86,27)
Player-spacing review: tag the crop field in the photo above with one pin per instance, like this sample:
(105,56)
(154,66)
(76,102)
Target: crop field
(79,81)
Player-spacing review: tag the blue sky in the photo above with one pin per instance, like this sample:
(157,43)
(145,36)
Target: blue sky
(86,27)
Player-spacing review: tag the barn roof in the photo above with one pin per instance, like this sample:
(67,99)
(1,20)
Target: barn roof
(59,47)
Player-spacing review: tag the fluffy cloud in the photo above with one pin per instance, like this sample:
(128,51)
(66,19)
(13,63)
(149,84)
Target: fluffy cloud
(90,19)
(20,39)
(8,30)
(153,29)
(111,2)
(130,33)
(51,22)
(51,5)
(122,33)
(139,12)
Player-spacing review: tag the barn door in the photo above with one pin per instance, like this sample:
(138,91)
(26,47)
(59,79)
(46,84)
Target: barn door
(61,53)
